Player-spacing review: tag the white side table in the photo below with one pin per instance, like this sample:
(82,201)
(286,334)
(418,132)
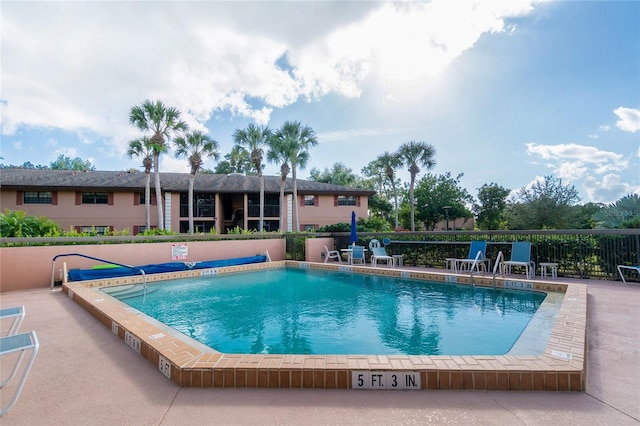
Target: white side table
(398,259)
(549,266)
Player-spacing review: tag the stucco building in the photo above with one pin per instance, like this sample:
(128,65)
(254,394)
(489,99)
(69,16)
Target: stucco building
(114,200)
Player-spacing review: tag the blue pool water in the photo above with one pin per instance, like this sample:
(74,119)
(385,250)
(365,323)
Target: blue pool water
(305,311)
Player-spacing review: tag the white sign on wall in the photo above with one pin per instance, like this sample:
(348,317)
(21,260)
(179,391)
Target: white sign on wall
(387,380)
(179,251)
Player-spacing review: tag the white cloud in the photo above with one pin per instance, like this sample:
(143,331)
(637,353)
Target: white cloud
(604,128)
(572,161)
(17,145)
(629,119)
(219,56)
(609,189)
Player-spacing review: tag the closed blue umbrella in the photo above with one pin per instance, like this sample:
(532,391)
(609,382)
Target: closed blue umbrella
(354,234)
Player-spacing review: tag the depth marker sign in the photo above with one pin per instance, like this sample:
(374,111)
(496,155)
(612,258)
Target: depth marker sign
(385,380)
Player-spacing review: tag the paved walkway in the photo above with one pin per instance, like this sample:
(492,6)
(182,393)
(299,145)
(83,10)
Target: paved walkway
(86,375)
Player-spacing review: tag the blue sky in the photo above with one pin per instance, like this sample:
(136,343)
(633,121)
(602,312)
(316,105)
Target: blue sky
(506,92)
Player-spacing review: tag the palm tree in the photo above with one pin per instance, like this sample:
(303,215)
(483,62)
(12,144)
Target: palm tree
(196,146)
(255,139)
(163,122)
(278,154)
(389,162)
(142,148)
(297,140)
(414,154)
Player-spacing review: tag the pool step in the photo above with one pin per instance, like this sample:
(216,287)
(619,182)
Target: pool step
(128,291)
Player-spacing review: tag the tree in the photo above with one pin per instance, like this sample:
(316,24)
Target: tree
(413,155)
(435,192)
(296,140)
(163,122)
(25,165)
(142,148)
(491,206)
(279,154)
(546,204)
(255,138)
(389,162)
(624,213)
(196,146)
(66,163)
(339,174)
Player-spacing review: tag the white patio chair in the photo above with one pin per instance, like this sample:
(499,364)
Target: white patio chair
(332,254)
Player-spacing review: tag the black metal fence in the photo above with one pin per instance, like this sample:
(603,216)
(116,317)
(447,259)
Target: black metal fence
(585,254)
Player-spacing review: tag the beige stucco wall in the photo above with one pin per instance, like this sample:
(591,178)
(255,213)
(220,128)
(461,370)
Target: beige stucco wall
(122,214)
(30,267)
(325,213)
(314,247)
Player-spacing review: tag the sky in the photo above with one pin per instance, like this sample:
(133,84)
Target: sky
(506,92)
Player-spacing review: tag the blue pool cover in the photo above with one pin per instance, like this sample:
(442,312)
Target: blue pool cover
(156,268)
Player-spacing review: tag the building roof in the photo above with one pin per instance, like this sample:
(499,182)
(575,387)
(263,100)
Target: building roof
(47,180)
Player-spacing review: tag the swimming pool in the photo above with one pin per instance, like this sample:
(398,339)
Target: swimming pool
(559,365)
(305,311)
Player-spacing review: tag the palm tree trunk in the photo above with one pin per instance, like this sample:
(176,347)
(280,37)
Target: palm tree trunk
(295,197)
(282,183)
(413,207)
(261,226)
(395,197)
(156,164)
(192,180)
(147,203)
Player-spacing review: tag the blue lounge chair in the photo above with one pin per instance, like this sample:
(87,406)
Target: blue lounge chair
(17,313)
(632,268)
(477,257)
(520,256)
(380,254)
(18,343)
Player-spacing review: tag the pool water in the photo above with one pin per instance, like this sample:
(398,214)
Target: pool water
(303,311)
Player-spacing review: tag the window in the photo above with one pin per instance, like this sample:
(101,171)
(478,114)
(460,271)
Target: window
(37,197)
(309,228)
(141,198)
(309,200)
(204,205)
(95,198)
(347,200)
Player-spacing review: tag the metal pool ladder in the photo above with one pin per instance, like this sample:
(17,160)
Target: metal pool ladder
(135,268)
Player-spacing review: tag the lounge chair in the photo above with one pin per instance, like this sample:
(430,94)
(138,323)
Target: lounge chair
(379,253)
(18,343)
(520,256)
(357,255)
(475,259)
(632,268)
(17,313)
(331,254)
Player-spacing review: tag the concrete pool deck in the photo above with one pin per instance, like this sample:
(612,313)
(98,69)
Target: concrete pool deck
(85,374)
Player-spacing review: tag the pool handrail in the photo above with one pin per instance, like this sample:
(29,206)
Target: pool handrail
(497,265)
(135,268)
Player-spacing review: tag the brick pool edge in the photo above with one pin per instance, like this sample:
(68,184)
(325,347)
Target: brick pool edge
(190,364)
